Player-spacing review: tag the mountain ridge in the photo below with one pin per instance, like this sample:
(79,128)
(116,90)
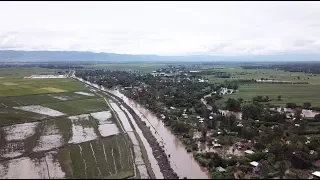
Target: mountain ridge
(47,56)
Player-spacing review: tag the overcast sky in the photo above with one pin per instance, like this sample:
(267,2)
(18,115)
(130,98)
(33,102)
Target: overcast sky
(164,28)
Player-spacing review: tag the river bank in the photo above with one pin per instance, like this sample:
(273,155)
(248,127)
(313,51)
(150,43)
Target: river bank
(157,150)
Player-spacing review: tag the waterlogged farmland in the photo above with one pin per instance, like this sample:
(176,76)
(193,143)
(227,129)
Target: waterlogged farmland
(58,128)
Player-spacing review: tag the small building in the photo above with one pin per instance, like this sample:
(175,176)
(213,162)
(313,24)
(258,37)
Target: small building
(185,116)
(255,168)
(316,175)
(311,152)
(240,125)
(220,169)
(254,163)
(249,151)
(217,145)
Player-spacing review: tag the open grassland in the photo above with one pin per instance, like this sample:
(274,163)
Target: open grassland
(37,86)
(278,75)
(23,72)
(142,67)
(296,93)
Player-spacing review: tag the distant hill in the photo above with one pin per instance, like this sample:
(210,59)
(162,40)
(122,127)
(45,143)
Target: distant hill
(49,56)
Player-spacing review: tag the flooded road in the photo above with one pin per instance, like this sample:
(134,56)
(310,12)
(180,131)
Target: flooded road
(181,161)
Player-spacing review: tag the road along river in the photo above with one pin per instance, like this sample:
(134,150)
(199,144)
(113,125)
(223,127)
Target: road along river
(180,160)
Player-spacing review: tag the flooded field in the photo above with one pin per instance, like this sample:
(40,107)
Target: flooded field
(103,117)
(84,93)
(36,168)
(41,110)
(82,129)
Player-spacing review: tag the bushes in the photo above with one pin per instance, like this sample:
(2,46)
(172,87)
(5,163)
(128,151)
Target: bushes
(243,160)
(291,105)
(257,156)
(245,168)
(217,175)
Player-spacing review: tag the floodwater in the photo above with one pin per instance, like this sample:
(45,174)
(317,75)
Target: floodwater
(238,115)
(305,112)
(181,161)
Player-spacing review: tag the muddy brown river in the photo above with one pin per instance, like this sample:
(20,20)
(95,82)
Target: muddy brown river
(181,161)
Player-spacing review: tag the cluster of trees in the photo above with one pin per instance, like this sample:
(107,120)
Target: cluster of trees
(306,105)
(261,99)
(308,67)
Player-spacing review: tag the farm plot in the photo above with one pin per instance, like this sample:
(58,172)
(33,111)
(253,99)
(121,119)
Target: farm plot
(37,86)
(41,110)
(12,116)
(105,124)
(17,139)
(296,93)
(79,106)
(44,167)
(82,129)
(50,137)
(84,93)
(101,158)
(68,96)
(23,72)
(28,100)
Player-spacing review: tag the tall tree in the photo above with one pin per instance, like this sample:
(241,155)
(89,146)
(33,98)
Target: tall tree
(306,105)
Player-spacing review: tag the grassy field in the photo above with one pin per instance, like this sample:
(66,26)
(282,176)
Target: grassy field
(297,93)
(23,72)
(237,72)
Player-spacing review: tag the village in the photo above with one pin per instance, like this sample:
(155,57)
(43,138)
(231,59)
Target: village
(242,140)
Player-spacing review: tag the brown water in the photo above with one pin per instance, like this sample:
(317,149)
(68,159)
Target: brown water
(181,161)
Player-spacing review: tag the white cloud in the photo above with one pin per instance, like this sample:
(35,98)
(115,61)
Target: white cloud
(226,28)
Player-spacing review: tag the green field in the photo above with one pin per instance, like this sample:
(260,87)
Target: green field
(82,106)
(237,72)
(24,72)
(297,93)
(143,67)
(37,86)
(116,162)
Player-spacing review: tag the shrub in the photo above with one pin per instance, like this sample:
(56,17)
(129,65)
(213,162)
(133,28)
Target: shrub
(257,156)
